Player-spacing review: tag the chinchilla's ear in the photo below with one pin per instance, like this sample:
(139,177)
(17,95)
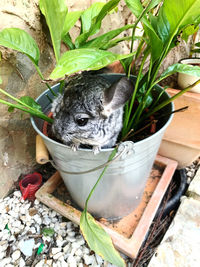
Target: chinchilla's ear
(116,95)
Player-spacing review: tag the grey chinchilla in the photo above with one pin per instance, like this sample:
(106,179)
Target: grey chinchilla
(90,111)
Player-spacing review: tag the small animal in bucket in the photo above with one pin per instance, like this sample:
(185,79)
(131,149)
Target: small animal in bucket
(90,111)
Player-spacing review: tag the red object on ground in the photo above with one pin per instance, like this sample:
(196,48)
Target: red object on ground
(30,184)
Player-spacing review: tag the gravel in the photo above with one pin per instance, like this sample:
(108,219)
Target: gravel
(32,234)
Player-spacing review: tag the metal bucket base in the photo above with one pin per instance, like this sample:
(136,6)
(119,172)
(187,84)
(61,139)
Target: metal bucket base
(129,233)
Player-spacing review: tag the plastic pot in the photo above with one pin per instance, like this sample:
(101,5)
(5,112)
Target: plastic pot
(184,80)
(120,190)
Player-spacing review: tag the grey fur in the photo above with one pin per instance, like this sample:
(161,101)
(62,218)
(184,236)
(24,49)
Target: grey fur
(84,98)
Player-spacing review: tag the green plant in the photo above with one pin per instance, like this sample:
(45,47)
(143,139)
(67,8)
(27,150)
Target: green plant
(162,30)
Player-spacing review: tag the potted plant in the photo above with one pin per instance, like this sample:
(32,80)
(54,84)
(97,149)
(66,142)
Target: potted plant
(148,107)
(185,80)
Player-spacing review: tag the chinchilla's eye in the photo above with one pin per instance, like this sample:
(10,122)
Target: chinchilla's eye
(81,121)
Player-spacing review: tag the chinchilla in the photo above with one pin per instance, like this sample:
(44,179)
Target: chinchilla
(90,111)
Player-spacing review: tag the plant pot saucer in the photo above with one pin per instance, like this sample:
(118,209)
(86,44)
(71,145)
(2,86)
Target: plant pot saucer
(128,233)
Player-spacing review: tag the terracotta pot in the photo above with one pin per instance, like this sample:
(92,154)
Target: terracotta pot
(181,140)
(184,80)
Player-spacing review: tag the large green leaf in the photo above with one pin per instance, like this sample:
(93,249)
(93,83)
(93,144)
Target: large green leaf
(175,15)
(96,22)
(84,59)
(89,14)
(103,40)
(29,101)
(21,41)
(153,38)
(182,68)
(55,12)
(136,7)
(70,20)
(98,240)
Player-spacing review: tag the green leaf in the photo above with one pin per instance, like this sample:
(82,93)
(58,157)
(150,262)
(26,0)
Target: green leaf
(11,109)
(96,22)
(103,40)
(48,231)
(197,44)
(136,7)
(182,68)
(84,59)
(70,20)
(55,12)
(1,80)
(88,16)
(98,240)
(21,41)
(30,102)
(153,38)
(175,15)
(68,41)
(189,30)
(116,41)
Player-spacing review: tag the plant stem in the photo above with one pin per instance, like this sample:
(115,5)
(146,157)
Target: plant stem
(36,113)
(166,102)
(133,32)
(17,100)
(127,123)
(101,175)
(42,77)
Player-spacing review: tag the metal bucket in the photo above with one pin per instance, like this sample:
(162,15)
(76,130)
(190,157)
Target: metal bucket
(120,190)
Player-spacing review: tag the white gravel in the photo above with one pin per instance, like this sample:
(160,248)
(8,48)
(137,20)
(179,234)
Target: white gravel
(22,226)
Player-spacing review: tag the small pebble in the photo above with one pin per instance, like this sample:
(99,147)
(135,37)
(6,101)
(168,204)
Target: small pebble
(16,255)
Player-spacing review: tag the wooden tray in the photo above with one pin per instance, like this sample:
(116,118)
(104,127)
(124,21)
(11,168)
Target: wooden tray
(129,233)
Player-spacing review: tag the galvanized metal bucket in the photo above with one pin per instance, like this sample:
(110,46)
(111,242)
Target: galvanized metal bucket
(120,190)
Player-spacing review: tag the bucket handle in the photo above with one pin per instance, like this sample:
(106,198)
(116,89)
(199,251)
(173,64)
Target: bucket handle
(125,147)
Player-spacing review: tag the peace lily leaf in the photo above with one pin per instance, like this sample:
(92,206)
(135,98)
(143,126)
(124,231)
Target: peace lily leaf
(137,8)
(84,59)
(68,41)
(89,14)
(98,240)
(189,30)
(103,40)
(172,18)
(116,41)
(55,12)
(197,44)
(70,20)
(30,102)
(96,22)
(21,41)
(182,68)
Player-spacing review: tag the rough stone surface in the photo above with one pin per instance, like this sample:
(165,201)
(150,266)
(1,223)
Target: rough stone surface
(194,188)
(17,138)
(181,243)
